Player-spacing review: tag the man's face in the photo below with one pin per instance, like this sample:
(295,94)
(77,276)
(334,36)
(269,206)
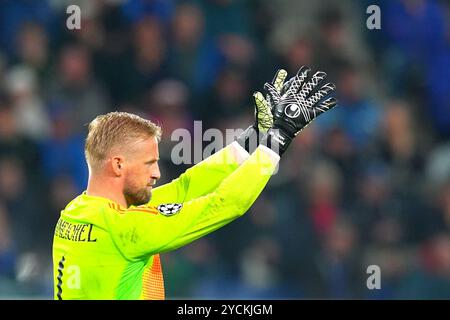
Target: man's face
(142,171)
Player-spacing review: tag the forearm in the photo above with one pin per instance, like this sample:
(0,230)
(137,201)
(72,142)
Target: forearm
(155,233)
(230,200)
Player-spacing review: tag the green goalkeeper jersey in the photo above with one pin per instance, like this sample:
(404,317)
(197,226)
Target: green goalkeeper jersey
(104,251)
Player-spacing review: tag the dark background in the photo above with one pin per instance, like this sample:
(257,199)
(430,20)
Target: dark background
(367,184)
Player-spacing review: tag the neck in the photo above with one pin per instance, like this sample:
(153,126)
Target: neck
(105,188)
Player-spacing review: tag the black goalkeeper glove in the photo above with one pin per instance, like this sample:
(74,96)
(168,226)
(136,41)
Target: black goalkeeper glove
(300,101)
(250,138)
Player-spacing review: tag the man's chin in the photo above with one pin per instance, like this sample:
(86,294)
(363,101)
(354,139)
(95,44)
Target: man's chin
(138,199)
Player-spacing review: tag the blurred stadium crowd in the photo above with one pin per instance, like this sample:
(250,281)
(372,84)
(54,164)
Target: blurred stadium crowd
(367,184)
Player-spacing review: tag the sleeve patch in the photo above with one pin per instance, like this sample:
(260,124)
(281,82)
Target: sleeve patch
(169,209)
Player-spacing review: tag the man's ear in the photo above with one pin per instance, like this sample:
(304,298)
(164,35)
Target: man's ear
(117,165)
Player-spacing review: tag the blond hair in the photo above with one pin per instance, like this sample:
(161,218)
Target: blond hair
(115,129)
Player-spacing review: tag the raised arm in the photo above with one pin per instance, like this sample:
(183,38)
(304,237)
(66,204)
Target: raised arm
(138,234)
(201,178)
(208,174)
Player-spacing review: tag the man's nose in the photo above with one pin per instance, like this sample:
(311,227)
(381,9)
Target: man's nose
(156,174)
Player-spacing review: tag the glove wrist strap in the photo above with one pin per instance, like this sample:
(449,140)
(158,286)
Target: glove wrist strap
(277,140)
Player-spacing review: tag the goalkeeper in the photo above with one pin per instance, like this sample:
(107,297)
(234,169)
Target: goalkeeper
(108,240)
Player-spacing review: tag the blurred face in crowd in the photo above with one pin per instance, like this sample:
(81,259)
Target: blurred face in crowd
(299,53)
(325,183)
(397,118)
(149,41)
(12,178)
(413,6)
(341,239)
(439,254)
(349,84)
(188,24)
(444,201)
(75,65)
(232,87)
(32,44)
(7,121)
(398,129)
(139,167)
